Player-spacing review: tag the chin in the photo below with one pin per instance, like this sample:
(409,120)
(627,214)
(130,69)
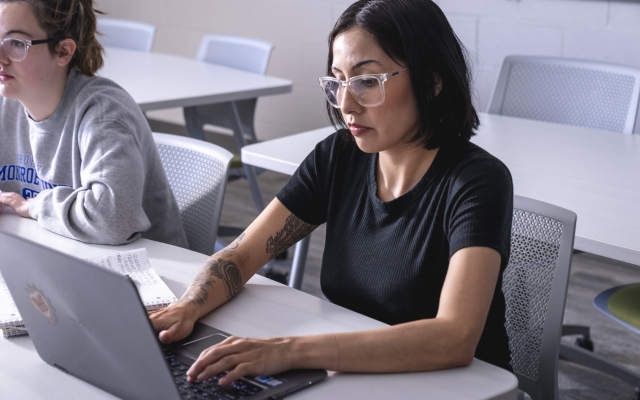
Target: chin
(368,146)
(8,92)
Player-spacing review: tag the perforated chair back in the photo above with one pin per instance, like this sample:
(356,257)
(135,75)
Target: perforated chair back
(130,35)
(197,172)
(247,54)
(572,92)
(535,289)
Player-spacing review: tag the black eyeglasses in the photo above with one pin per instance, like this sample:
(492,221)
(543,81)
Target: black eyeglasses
(15,49)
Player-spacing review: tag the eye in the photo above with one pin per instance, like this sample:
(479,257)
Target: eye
(369,83)
(16,43)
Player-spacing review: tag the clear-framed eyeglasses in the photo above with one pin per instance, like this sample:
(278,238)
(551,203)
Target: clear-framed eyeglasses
(15,49)
(368,89)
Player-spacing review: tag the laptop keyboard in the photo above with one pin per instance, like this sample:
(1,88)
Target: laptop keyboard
(209,389)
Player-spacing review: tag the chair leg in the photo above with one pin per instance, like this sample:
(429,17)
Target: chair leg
(194,128)
(299,262)
(589,359)
(584,340)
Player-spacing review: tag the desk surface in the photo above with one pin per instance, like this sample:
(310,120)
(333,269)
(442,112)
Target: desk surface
(157,80)
(594,173)
(263,309)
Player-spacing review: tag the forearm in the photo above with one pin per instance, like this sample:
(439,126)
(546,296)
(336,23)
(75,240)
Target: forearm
(425,345)
(95,214)
(217,281)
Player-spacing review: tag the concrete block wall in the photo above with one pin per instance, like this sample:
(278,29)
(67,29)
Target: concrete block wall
(491,29)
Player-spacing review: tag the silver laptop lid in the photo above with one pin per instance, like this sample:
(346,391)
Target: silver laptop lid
(85,320)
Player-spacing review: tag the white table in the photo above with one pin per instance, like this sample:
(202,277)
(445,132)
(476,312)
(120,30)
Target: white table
(157,81)
(264,308)
(594,173)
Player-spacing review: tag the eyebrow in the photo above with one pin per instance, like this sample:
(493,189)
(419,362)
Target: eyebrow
(358,65)
(12,32)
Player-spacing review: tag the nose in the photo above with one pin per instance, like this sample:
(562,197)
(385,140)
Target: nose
(3,57)
(349,104)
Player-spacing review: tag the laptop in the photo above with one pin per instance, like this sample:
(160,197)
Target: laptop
(90,323)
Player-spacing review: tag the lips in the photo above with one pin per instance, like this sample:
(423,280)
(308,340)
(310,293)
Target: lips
(4,77)
(357,129)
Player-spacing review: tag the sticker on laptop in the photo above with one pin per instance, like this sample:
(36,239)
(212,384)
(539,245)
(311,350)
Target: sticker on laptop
(269,380)
(41,303)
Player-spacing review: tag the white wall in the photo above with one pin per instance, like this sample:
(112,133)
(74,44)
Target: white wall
(598,30)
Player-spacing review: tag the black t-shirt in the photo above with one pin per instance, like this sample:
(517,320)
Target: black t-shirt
(388,260)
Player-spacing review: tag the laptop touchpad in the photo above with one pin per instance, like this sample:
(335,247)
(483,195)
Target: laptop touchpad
(196,346)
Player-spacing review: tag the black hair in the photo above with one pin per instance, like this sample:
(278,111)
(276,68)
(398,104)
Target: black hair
(416,34)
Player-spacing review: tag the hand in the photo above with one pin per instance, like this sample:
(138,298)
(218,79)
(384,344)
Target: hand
(242,357)
(174,322)
(17,202)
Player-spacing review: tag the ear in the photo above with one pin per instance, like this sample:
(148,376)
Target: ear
(438,81)
(65,51)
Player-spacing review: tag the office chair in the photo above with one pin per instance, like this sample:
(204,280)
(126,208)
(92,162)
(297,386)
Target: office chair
(248,55)
(130,35)
(572,92)
(535,290)
(197,172)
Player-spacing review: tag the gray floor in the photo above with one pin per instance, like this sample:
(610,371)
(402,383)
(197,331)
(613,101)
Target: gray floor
(590,275)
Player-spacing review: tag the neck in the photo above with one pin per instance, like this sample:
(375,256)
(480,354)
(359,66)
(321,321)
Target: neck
(398,171)
(42,104)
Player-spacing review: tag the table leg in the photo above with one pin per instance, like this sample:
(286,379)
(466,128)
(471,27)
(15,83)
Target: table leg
(299,261)
(249,172)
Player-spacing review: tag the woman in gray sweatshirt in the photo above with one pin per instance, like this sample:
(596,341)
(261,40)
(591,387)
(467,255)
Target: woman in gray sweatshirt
(76,152)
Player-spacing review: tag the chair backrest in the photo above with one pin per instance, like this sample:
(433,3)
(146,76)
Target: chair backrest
(236,52)
(197,172)
(573,92)
(535,289)
(130,35)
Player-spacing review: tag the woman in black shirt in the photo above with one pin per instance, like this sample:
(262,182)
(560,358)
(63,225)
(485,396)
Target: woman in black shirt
(418,218)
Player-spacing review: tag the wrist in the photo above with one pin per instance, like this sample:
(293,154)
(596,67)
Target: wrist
(317,351)
(190,312)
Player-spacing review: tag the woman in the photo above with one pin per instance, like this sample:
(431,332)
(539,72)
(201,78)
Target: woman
(418,218)
(77,153)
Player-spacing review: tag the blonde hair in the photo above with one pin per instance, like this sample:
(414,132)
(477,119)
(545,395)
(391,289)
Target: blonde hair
(73,19)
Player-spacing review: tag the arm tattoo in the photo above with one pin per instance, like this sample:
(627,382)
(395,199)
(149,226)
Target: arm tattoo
(225,270)
(294,229)
(227,251)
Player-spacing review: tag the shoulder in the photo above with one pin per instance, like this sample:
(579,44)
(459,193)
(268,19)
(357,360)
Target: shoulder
(471,163)
(102,99)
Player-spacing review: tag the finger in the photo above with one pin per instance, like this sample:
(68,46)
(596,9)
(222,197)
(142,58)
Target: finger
(11,199)
(238,372)
(213,362)
(225,364)
(175,332)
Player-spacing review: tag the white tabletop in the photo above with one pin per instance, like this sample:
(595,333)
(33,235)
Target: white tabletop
(157,80)
(594,173)
(263,309)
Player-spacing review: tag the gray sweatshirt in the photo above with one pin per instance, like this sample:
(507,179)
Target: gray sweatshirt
(92,167)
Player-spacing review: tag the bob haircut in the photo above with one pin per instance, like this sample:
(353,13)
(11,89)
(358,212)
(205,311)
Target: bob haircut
(417,35)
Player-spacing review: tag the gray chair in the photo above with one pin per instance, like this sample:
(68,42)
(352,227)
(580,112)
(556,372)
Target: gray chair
(248,55)
(573,92)
(130,35)
(535,289)
(197,172)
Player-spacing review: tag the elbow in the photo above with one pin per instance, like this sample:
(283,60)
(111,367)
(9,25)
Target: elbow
(462,350)
(463,359)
